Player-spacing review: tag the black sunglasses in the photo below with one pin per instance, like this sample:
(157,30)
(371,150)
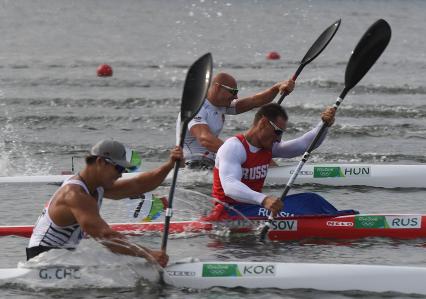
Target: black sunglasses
(233,91)
(120,169)
(277,130)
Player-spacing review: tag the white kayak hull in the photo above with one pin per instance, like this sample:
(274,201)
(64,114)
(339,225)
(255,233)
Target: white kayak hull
(327,277)
(204,275)
(372,175)
(336,174)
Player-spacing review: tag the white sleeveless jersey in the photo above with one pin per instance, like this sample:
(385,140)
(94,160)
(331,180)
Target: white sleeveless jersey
(47,233)
(214,118)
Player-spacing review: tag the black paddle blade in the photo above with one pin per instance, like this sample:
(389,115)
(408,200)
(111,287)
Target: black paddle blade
(322,41)
(196,85)
(366,52)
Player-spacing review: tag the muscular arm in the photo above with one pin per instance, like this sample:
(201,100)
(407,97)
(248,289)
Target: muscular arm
(257,100)
(264,97)
(85,210)
(205,137)
(230,157)
(144,182)
(296,147)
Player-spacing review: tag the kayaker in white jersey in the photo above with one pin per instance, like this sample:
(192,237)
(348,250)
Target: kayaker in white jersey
(202,138)
(242,161)
(73,211)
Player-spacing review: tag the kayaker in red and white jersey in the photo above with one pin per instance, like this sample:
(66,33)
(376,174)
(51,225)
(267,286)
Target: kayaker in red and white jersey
(202,138)
(242,161)
(73,210)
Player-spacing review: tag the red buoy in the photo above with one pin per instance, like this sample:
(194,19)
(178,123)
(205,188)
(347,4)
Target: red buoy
(273,56)
(104,70)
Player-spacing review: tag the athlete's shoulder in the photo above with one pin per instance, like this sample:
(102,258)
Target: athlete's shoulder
(210,108)
(72,194)
(232,140)
(232,151)
(232,109)
(231,147)
(201,114)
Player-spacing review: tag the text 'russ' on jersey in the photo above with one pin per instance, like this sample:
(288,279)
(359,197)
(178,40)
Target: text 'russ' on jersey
(257,172)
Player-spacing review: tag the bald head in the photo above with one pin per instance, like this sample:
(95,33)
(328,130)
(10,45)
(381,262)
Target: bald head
(217,94)
(226,79)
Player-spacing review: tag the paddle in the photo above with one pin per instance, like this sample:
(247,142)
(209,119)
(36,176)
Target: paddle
(194,92)
(319,45)
(365,54)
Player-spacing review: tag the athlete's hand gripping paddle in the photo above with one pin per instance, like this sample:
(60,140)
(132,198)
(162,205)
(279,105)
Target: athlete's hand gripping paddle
(194,92)
(365,54)
(319,45)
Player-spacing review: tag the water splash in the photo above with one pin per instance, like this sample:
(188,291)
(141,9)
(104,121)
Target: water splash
(15,156)
(91,265)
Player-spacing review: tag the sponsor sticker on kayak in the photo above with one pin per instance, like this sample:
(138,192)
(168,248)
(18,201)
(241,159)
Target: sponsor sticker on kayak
(396,222)
(238,270)
(341,172)
(369,221)
(181,273)
(340,223)
(303,172)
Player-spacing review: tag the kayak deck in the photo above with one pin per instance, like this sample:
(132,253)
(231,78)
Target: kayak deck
(398,226)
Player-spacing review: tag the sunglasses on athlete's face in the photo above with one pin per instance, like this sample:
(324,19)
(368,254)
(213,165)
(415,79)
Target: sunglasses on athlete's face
(233,91)
(120,169)
(277,130)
